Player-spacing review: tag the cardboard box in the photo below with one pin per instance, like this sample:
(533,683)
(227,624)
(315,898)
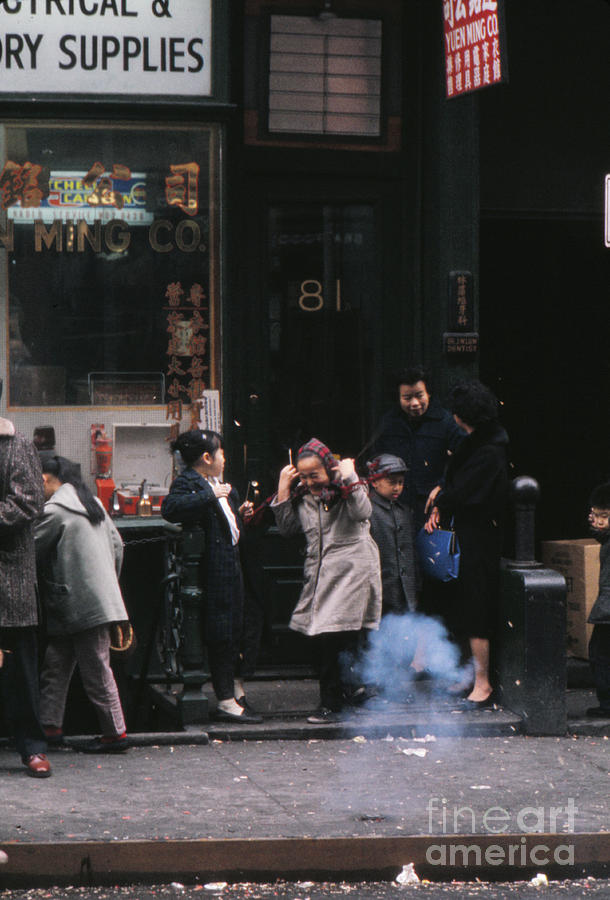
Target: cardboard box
(578,562)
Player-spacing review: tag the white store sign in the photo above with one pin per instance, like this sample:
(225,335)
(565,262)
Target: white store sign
(106,47)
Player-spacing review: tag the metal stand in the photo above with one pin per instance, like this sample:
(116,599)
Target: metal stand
(178,632)
(192,656)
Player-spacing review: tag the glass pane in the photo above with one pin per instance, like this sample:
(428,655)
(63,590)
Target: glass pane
(315,62)
(111,241)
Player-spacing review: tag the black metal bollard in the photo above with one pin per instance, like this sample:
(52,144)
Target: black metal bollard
(531,642)
(192,704)
(525,493)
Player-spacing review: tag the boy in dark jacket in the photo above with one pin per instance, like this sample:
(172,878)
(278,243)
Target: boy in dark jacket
(599,617)
(392,531)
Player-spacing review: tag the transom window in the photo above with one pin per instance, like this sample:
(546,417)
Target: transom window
(325,75)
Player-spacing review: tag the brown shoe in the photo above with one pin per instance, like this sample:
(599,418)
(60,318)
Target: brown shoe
(38,765)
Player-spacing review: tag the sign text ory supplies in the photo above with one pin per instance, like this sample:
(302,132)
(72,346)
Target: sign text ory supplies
(475,45)
(106,47)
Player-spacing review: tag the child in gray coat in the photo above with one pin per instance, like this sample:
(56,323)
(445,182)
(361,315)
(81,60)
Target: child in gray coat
(392,531)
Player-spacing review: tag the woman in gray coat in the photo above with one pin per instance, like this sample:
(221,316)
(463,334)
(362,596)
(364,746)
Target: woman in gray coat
(79,554)
(342,583)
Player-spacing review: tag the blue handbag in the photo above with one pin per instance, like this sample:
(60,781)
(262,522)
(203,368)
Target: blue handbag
(439,553)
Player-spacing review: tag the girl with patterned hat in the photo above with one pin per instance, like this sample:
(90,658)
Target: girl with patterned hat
(341,596)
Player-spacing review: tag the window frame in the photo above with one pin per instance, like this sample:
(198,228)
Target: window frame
(256,121)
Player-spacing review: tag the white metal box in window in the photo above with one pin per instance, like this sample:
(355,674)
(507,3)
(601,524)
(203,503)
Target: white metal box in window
(141,453)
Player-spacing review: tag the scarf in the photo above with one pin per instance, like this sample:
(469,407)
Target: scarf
(331,493)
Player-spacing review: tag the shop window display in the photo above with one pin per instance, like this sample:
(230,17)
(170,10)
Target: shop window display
(112,248)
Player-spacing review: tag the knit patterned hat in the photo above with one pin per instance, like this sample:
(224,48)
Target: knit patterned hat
(323,453)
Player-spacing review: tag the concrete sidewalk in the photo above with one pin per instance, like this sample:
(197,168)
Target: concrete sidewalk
(383,793)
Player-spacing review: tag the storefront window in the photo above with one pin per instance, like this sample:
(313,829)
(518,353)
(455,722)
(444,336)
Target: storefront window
(112,245)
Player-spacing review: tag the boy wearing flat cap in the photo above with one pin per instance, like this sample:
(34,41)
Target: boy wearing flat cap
(392,530)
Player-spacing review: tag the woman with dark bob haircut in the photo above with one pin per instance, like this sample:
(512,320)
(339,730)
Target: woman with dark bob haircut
(474,496)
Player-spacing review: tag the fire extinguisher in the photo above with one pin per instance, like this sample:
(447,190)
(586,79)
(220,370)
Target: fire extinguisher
(103,455)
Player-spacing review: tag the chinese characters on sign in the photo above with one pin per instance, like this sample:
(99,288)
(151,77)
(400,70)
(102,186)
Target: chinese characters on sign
(187,348)
(462,338)
(475,56)
(461,307)
(19,184)
(182,188)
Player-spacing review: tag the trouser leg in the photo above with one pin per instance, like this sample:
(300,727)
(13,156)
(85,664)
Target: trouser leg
(334,656)
(221,662)
(253,615)
(92,651)
(224,655)
(599,660)
(57,670)
(19,676)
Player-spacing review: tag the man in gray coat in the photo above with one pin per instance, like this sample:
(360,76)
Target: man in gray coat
(21,502)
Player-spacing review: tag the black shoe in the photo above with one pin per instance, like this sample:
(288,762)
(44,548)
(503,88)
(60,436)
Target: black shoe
(324,716)
(99,745)
(598,712)
(487,703)
(362,695)
(245,718)
(56,742)
(246,705)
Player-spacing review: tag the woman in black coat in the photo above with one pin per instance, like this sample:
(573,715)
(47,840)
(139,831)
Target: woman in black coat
(474,495)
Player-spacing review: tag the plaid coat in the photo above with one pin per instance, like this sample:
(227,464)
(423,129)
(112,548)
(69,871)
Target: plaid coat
(21,502)
(191,501)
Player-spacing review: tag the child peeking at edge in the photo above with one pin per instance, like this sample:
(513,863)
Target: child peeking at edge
(599,617)
(342,584)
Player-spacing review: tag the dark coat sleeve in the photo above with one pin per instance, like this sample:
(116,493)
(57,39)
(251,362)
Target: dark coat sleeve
(23,499)
(474,483)
(455,435)
(188,500)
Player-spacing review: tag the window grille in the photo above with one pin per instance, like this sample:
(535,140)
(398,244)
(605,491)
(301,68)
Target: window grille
(325,76)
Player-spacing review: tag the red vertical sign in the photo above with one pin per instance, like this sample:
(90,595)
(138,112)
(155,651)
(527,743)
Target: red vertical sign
(475,55)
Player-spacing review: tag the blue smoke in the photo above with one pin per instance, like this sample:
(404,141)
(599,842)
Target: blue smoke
(391,649)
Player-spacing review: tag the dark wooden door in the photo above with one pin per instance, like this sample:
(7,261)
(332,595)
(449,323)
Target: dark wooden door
(314,339)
